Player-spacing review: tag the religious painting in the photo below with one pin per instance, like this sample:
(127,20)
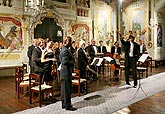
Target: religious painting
(102,25)
(137,20)
(10,34)
(80,31)
(159,35)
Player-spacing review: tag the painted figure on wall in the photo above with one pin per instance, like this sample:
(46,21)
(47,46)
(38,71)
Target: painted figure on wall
(159,35)
(137,20)
(12,40)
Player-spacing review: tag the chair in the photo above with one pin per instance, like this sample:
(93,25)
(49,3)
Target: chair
(76,80)
(38,87)
(122,65)
(21,83)
(144,66)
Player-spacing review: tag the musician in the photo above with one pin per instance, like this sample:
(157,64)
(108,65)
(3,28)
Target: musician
(142,47)
(116,51)
(82,59)
(47,58)
(92,52)
(67,65)
(36,57)
(102,50)
(131,49)
(73,51)
(82,63)
(29,54)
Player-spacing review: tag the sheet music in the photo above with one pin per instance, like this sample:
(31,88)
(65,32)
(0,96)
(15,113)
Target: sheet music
(143,58)
(59,68)
(109,59)
(100,61)
(97,61)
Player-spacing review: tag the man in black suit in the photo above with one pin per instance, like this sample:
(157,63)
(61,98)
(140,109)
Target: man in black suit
(82,60)
(29,54)
(143,48)
(115,51)
(131,49)
(36,57)
(67,65)
(102,50)
(92,52)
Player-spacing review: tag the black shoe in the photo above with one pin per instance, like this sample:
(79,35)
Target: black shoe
(134,86)
(128,83)
(71,109)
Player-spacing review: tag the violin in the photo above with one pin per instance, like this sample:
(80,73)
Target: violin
(54,70)
(116,56)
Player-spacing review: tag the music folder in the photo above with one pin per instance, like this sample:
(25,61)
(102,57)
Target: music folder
(97,61)
(109,59)
(143,58)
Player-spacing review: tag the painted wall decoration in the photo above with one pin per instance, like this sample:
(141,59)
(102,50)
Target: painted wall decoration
(83,3)
(102,25)
(6,3)
(159,35)
(81,31)
(137,20)
(10,34)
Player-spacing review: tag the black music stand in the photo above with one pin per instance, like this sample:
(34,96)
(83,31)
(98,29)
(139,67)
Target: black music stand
(97,62)
(109,59)
(141,60)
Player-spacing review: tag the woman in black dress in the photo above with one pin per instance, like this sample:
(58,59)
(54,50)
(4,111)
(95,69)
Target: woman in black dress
(48,58)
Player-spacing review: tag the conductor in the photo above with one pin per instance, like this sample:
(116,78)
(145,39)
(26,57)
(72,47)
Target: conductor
(132,50)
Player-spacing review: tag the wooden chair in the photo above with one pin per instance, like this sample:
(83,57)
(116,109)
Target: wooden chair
(20,81)
(122,65)
(38,87)
(76,80)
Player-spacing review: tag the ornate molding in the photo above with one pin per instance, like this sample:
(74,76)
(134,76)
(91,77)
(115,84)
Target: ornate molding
(50,13)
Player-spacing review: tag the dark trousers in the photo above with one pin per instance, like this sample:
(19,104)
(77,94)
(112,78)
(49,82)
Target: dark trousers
(66,87)
(131,63)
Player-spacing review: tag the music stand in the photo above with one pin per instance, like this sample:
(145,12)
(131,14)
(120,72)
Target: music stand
(97,62)
(141,60)
(109,59)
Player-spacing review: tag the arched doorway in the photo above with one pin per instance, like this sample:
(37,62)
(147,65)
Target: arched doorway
(49,29)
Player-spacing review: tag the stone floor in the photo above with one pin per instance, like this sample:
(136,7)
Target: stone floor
(10,104)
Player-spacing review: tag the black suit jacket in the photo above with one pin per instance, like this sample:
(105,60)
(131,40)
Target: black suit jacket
(29,54)
(136,49)
(36,59)
(91,52)
(67,64)
(57,54)
(104,49)
(82,60)
(113,50)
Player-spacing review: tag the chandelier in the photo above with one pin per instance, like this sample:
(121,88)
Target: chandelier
(34,7)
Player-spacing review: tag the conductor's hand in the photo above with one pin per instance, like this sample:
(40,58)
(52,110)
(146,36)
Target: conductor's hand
(121,37)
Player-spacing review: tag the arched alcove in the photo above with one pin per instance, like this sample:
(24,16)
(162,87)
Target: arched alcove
(49,29)
(49,23)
